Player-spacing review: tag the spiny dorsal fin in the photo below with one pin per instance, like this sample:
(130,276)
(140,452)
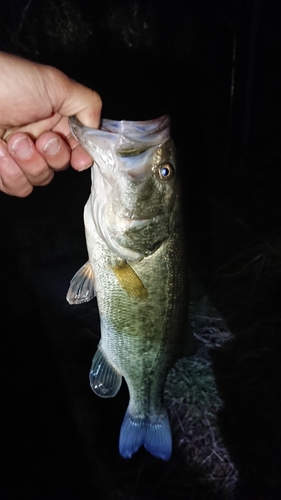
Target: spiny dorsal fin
(129,281)
(81,286)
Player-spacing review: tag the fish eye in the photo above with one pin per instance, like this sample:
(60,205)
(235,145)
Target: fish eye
(165,171)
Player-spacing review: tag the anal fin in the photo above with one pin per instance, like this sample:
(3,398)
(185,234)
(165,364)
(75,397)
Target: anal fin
(81,287)
(105,380)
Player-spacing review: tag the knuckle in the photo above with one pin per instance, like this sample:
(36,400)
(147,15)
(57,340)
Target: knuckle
(20,189)
(43,179)
(36,171)
(24,191)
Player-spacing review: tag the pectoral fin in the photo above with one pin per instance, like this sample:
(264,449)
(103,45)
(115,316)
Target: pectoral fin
(81,286)
(129,281)
(105,380)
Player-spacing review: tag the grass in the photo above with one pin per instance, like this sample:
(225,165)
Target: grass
(193,402)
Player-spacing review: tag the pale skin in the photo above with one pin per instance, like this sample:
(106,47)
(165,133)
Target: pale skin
(35,139)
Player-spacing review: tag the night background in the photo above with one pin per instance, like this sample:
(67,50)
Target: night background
(215,67)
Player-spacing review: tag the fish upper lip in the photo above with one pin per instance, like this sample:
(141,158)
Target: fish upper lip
(127,214)
(136,218)
(133,221)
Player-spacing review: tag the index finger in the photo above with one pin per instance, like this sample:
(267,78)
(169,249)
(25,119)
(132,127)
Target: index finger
(80,160)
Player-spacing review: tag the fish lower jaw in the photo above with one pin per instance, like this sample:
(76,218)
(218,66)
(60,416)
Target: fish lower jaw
(118,250)
(122,224)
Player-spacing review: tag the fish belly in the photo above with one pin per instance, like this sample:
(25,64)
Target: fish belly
(141,338)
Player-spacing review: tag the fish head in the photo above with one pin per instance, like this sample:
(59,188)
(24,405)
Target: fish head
(134,189)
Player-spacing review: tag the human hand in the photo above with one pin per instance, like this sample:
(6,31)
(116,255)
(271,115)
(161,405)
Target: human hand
(35,139)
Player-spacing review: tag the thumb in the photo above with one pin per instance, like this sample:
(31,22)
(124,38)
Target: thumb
(69,98)
(83,102)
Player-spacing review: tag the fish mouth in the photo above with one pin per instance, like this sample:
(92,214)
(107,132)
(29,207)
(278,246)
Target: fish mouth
(129,136)
(120,216)
(138,237)
(125,221)
(120,211)
(118,232)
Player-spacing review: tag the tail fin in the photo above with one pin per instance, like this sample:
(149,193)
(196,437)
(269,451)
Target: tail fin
(154,436)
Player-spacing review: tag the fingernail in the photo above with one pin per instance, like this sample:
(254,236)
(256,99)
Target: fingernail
(22,148)
(52,146)
(85,167)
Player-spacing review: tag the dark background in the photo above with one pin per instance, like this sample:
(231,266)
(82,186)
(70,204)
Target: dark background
(214,66)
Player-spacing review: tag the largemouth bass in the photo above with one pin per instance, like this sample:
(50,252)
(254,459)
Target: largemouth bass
(137,269)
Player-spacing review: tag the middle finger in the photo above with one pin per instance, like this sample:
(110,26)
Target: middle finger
(54,150)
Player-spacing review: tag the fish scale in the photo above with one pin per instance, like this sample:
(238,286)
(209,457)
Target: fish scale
(138,270)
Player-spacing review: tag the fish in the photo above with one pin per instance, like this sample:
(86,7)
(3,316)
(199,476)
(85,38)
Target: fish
(137,269)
